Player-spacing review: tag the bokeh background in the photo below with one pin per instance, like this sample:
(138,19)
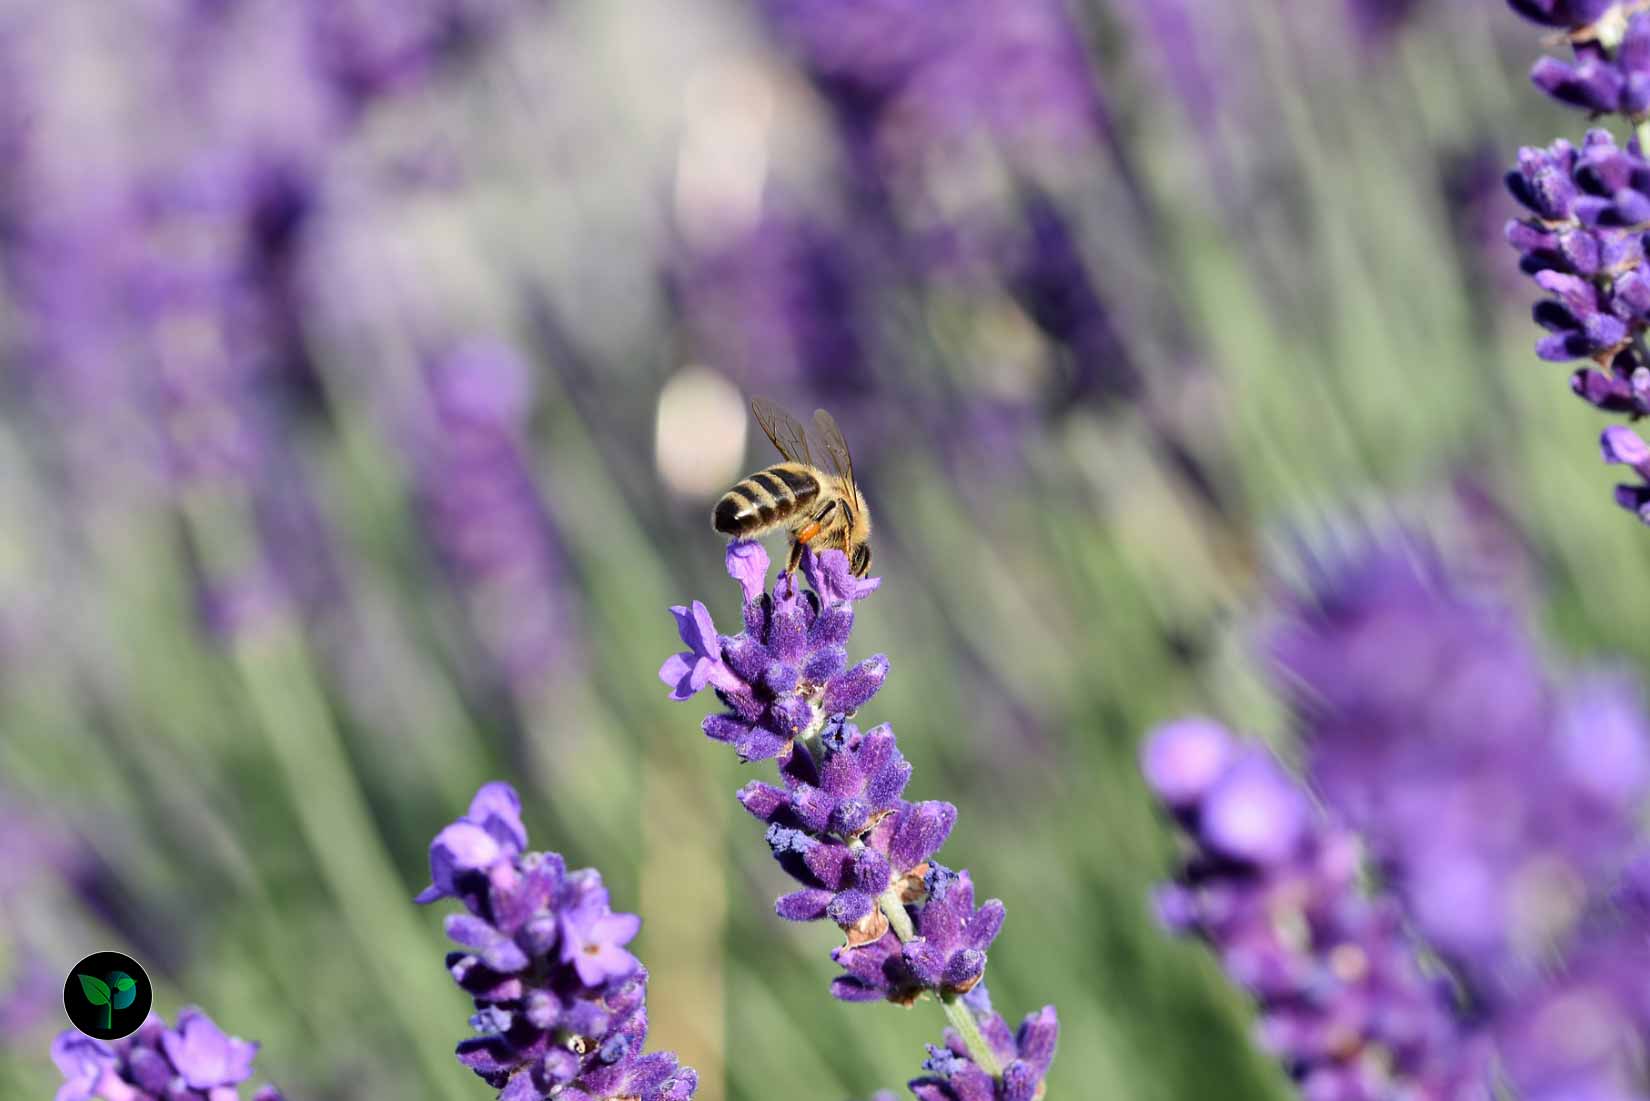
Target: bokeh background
(369,368)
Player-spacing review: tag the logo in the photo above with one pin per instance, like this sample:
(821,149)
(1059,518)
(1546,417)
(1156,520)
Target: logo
(107,995)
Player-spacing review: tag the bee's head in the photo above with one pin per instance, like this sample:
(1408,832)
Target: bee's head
(860,562)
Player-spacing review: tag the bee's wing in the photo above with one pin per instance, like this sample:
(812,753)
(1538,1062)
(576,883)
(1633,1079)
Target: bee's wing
(836,448)
(784,430)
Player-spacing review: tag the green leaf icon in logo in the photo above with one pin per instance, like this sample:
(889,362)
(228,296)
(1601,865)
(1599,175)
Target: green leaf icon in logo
(98,993)
(124,989)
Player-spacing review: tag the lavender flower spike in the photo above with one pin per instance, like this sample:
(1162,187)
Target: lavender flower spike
(1583,238)
(560,1003)
(1272,888)
(1502,808)
(196,1061)
(862,855)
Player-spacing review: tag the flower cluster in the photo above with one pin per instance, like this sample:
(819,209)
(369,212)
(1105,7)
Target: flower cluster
(195,1061)
(788,667)
(1495,803)
(1583,238)
(864,856)
(1583,243)
(1273,888)
(1611,71)
(560,1003)
(1502,814)
(1503,809)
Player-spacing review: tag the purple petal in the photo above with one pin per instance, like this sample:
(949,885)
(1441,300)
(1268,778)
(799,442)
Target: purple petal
(1183,759)
(920,833)
(854,689)
(804,905)
(1620,444)
(747,564)
(497,809)
(1254,812)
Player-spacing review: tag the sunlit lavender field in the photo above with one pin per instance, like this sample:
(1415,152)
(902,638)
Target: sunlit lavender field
(1254,613)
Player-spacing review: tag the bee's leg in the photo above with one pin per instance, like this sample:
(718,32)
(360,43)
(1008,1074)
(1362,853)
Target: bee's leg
(812,529)
(795,559)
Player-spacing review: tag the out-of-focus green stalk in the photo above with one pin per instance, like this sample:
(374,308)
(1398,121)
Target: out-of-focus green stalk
(684,894)
(285,697)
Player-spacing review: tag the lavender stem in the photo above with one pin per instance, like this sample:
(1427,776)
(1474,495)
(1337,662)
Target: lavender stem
(962,1019)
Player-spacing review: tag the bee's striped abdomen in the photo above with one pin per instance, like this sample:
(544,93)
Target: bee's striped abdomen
(766,498)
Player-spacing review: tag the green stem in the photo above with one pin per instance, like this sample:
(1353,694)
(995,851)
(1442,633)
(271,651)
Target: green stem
(288,701)
(894,910)
(1642,132)
(956,1011)
(108,1017)
(962,1019)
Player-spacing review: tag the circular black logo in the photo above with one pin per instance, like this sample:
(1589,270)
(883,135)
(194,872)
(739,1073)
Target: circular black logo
(107,995)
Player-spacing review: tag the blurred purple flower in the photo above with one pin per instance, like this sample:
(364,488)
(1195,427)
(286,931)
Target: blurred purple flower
(1622,445)
(369,49)
(560,1005)
(483,511)
(1273,888)
(1495,803)
(863,856)
(196,1061)
(204,1055)
(1377,22)
(160,293)
(490,833)
(914,98)
(1050,278)
(1573,14)
(779,303)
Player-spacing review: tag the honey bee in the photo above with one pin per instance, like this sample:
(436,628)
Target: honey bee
(820,509)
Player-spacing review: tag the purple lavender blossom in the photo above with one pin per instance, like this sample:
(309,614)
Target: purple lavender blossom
(914,95)
(1603,79)
(864,857)
(160,299)
(196,1061)
(1049,277)
(1583,240)
(1581,1033)
(780,302)
(786,672)
(1580,245)
(560,1004)
(1494,801)
(1273,889)
(1623,446)
(1502,812)
(482,510)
